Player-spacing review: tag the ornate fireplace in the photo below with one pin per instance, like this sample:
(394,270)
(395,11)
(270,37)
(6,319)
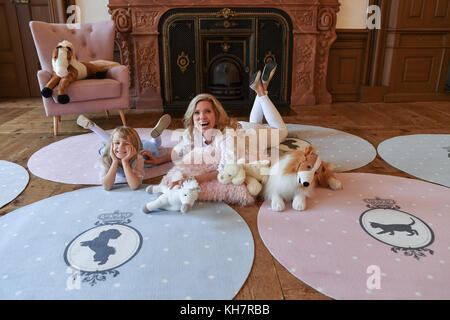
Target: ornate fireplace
(175,50)
(217,50)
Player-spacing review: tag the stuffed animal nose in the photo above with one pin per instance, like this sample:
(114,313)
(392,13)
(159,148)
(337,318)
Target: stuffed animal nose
(305,184)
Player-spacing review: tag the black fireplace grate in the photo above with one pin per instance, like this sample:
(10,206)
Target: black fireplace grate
(216,50)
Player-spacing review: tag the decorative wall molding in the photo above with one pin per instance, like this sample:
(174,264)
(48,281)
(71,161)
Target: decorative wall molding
(122,19)
(314,24)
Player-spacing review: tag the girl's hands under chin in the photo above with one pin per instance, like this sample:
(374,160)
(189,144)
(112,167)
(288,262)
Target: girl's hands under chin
(131,151)
(112,154)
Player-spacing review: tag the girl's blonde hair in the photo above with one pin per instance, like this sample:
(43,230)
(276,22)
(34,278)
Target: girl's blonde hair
(126,133)
(222,119)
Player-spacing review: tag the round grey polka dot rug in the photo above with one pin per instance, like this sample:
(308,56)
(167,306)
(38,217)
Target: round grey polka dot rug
(13,180)
(425,156)
(95,244)
(344,150)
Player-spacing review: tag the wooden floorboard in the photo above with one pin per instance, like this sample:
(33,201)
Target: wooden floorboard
(24,129)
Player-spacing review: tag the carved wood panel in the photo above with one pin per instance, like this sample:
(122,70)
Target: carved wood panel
(416,71)
(346,64)
(421,13)
(411,58)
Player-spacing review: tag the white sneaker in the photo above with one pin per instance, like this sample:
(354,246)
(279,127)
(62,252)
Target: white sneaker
(162,124)
(84,122)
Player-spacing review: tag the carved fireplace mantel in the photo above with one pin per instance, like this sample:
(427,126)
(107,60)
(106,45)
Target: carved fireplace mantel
(313,32)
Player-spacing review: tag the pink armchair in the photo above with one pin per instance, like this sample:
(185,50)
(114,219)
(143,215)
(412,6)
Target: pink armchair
(93,41)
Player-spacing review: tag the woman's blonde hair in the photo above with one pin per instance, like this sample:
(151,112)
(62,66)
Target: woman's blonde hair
(126,133)
(222,119)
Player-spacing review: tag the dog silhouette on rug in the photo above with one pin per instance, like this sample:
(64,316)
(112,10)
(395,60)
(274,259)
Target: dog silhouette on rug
(292,144)
(392,228)
(100,245)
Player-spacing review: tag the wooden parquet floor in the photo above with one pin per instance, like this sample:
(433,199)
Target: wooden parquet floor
(24,129)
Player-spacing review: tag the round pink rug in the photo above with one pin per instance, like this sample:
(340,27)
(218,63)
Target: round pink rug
(381,237)
(74,160)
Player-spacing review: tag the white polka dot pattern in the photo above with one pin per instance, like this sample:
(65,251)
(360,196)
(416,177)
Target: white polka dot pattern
(425,156)
(13,180)
(344,150)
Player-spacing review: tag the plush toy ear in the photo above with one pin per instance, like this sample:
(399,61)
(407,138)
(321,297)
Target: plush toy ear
(309,149)
(55,54)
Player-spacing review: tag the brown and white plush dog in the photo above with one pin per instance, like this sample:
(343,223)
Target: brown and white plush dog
(295,176)
(67,69)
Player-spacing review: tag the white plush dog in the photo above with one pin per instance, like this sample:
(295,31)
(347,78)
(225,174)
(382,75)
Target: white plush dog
(295,176)
(175,199)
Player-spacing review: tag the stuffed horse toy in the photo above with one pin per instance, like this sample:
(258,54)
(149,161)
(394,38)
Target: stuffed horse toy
(175,199)
(67,69)
(294,177)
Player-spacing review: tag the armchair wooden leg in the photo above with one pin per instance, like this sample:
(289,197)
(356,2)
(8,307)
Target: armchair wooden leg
(122,116)
(107,113)
(56,120)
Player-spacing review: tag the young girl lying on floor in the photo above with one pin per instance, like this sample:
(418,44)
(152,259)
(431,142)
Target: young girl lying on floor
(124,154)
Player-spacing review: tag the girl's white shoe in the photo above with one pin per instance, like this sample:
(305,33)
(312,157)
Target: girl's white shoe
(84,122)
(162,125)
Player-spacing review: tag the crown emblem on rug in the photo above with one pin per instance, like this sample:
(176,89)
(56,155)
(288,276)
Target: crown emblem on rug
(114,218)
(401,230)
(88,254)
(379,203)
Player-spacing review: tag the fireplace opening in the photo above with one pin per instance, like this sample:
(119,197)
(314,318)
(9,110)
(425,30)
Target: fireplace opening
(225,79)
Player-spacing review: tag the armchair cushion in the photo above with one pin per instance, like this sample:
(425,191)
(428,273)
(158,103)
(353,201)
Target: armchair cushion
(119,73)
(91,89)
